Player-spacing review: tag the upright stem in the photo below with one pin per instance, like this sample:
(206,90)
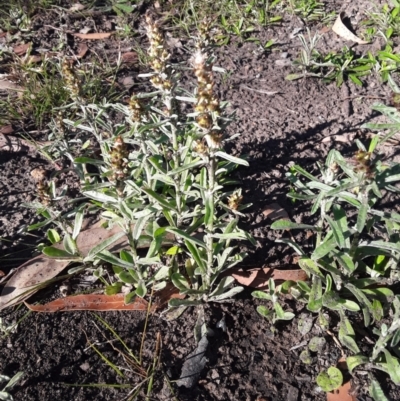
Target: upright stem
(210,223)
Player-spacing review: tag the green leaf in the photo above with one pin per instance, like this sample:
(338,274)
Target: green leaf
(99,196)
(175,302)
(209,205)
(264,311)
(180,281)
(231,158)
(223,285)
(127,278)
(310,267)
(330,380)
(195,253)
(305,324)
(305,357)
(160,199)
(185,236)
(331,300)
(113,289)
(77,225)
(226,295)
(315,297)
(141,289)
(69,245)
(375,390)
(317,344)
(284,224)
(344,260)
(392,367)
(4,396)
(103,245)
(328,244)
(56,253)
(261,295)
(185,167)
(87,160)
(362,214)
(281,314)
(110,258)
(53,236)
(356,360)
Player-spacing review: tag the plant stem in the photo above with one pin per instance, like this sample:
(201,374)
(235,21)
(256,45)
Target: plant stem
(210,223)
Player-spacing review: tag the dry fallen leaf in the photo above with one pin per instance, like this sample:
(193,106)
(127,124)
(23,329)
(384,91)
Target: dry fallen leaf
(13,144)
(6,129)
(5,84)
(129,57)
(20,50)
(41,268)
(93,36)
(27,277)
(77,7)
(82,50)
(36,58)
(275,212)
(258,278)
(340,29)
(97,302)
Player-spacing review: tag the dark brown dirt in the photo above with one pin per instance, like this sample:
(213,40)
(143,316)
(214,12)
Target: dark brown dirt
(298,124)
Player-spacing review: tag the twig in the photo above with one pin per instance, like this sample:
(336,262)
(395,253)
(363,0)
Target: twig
(337,343)
(364,97)
(260,91)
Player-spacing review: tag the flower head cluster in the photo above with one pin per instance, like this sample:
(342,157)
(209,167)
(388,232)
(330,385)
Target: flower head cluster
(71,81)
(43,192)
(119,162)
(207,105)
(235,200)
(136,108)
(158,54)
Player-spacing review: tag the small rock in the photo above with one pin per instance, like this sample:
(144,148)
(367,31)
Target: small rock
(85,366)
(293,393)
(214,375)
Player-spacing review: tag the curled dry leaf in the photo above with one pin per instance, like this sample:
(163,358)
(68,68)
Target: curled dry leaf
(93,36)
(25,281)
(340,29)
(258,278)
(97,302)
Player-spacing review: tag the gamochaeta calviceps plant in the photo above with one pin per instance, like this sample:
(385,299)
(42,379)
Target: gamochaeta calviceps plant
(162,176)
(354,264)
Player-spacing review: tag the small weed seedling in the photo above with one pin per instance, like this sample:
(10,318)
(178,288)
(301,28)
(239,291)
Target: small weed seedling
(331,67)
(272,295)
(355,261)
(384,21)
(309,10)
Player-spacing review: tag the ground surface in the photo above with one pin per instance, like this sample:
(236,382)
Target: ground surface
(300,123)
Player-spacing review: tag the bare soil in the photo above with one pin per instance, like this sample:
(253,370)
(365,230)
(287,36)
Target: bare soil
(298,124)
